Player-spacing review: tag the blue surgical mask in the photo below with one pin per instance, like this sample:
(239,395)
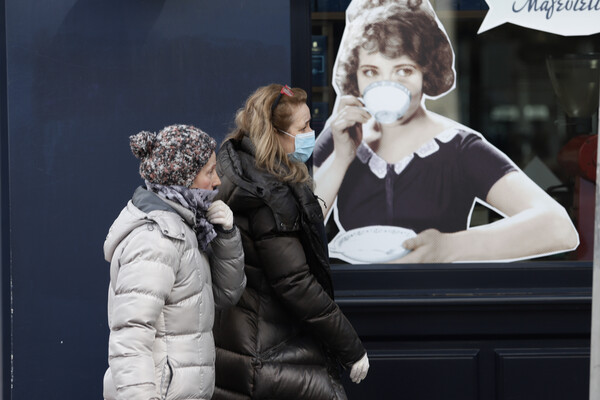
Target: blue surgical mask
(304,143)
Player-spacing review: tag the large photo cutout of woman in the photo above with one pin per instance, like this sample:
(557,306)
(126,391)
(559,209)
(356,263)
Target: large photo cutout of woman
(399,181)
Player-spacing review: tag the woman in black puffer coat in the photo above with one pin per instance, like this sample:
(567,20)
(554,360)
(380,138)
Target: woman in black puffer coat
(286,338)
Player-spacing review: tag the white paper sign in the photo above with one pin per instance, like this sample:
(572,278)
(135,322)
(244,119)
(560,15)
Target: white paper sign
(562,17)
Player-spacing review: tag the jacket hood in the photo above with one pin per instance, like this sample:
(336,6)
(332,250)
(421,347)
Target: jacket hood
(294,205)
(145,207)
(244,186)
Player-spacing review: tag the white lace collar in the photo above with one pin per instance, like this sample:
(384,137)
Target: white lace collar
(379,166)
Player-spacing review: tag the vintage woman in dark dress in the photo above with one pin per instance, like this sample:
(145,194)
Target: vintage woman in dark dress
(422,171)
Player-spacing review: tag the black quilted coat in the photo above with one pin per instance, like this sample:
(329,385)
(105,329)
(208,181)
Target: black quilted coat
(286,337)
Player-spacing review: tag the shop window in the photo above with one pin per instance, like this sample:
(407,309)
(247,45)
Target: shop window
(531,94)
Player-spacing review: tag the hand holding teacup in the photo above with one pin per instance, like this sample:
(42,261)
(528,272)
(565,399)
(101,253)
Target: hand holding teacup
(346,127)
(385,101)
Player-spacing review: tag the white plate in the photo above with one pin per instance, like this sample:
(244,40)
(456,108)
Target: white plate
(370,244)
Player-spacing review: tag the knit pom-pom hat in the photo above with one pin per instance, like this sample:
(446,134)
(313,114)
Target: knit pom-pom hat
(173,156)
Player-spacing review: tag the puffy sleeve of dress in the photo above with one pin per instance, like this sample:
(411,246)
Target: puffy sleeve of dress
(285,265)
(227,267)
(148,266)
(482,163)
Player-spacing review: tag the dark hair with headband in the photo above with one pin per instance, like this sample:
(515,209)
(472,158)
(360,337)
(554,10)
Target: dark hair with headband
(396,29)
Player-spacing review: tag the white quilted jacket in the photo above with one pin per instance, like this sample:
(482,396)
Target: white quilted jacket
(161,301)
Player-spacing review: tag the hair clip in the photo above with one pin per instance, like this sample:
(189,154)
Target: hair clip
(287,91)
(284,90)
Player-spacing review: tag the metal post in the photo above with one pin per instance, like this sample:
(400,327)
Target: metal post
(595,339)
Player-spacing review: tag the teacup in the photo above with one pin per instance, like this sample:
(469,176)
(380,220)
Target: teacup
(386,101)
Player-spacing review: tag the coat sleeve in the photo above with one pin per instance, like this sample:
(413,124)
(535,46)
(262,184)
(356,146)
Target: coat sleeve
(284,262)
(144,281)
(227,268)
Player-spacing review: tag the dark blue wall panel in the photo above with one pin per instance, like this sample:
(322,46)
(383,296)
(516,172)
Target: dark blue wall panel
(4,224)
(82,76)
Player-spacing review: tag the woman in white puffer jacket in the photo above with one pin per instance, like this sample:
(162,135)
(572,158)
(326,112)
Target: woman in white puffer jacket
(174,255)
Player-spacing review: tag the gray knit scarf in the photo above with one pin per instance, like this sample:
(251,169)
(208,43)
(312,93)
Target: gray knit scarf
(195,200)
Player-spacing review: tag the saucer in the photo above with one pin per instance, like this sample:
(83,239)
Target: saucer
(370,244)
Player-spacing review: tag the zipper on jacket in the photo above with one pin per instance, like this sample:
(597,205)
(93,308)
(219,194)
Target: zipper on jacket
(162,382)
